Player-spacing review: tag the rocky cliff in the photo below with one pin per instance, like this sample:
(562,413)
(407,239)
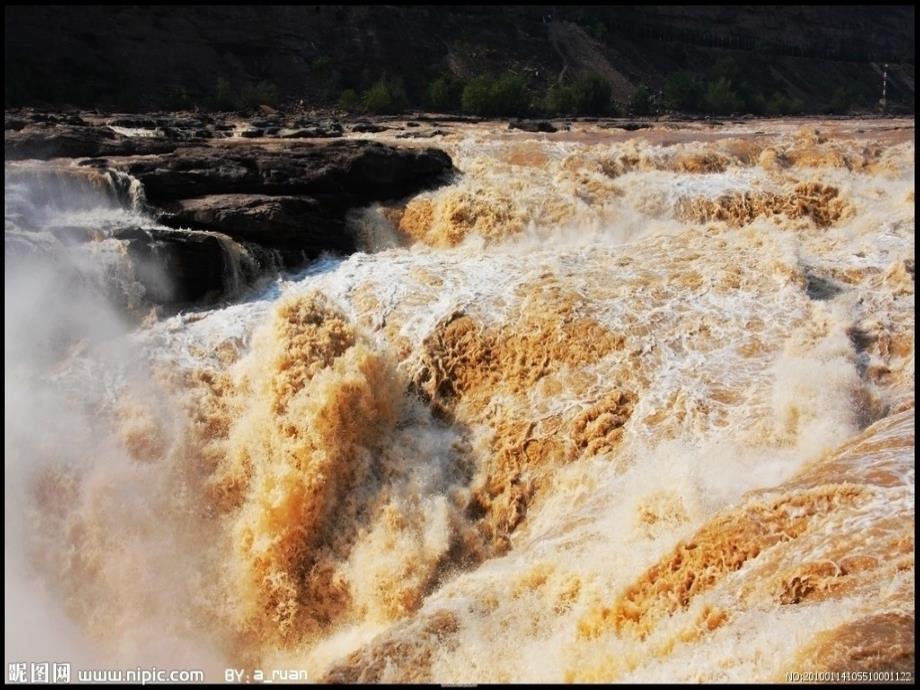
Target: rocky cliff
(168,57)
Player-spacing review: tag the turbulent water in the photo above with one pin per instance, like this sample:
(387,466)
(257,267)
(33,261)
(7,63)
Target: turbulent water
(608,407)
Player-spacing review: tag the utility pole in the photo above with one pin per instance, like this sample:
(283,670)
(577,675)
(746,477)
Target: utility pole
(884,101)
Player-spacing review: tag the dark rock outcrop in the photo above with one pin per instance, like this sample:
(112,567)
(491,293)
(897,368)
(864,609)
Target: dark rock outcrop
(134,121)
(283,201)
(176,266)
(367,170)
(294,198)
(421,134)
(367,128)
(533,126)
(311,133)
(278,222)
(44,141)
(633,126)
(316,130)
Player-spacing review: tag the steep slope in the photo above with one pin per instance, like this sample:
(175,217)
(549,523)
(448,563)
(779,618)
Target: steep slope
(155,57)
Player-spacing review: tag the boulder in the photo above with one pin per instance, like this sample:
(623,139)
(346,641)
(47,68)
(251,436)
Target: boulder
(533,126)
(633,126)
(423,134)
(177,266)
(366,128)
(278,222)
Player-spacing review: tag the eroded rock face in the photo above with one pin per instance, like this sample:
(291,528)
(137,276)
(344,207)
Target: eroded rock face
(52,140)
(290,199)
(282,222)
(533,126)
(367,170)
(177,266)
(286,198)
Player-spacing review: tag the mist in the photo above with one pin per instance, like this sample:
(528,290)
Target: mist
(600,407)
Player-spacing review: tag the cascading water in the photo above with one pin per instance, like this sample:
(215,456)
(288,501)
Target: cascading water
(77,219)
(607,407)
(128,190)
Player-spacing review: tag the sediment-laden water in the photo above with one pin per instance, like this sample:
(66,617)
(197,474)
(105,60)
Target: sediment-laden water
(607,407)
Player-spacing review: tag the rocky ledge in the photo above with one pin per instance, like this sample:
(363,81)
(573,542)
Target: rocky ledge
(285,198)
(290,198)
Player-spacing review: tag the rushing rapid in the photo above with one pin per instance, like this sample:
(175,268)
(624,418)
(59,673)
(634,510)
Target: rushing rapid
(608,406)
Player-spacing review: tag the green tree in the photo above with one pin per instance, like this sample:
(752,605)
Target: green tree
(592,96)
(506,95)
(560,100)
(722,99)
(386,97)
(589,96)
(509,95)
(739,87)
(325,79)
(780,104)
(476,99)
(222,98)
(254,95)
(444,93)
(640,102)
(348,100)
(439,94)
(683,92)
